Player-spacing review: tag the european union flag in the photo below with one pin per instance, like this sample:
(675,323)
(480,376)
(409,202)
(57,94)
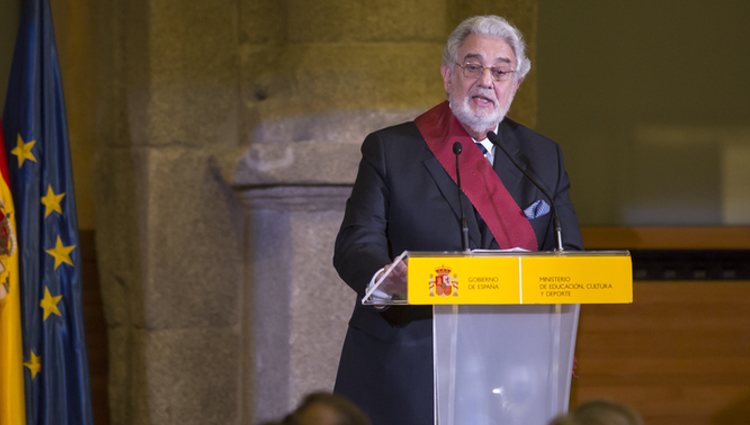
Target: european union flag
(54,351)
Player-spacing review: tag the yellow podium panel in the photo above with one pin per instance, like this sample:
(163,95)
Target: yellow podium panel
(463,280)
(596,279)
(530,278)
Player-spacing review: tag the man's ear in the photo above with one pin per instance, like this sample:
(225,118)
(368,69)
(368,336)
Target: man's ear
(445,71)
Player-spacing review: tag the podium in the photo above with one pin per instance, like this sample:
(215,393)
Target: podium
(504,325)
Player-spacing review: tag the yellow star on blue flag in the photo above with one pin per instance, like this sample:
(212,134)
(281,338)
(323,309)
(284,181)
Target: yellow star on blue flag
(51,202)
(34,365)
(23,151)
(49,303)
(61,253)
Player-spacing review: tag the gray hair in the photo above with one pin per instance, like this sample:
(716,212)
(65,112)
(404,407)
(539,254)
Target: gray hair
(492,26)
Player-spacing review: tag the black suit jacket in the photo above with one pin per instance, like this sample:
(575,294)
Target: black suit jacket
(403,199)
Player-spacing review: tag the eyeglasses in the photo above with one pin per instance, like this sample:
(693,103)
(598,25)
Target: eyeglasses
(475,70)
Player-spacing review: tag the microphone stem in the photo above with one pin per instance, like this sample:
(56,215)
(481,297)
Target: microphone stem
(558,234)
(457,148)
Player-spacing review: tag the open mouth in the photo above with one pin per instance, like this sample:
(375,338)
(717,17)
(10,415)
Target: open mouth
(482,100)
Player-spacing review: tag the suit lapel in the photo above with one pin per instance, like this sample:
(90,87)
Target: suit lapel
(449,191)
(511,177)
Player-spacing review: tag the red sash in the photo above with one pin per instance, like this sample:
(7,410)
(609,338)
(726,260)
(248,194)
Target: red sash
(504,218)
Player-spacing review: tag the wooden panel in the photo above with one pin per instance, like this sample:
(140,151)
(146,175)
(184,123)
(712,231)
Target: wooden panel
(679,355)
(666,237)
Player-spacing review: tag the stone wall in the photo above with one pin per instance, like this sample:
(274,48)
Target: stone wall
(229,139)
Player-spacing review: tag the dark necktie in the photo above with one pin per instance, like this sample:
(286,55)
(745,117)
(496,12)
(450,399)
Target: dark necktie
(484,151)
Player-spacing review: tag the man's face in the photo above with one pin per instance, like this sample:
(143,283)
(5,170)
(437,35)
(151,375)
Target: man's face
(481,103)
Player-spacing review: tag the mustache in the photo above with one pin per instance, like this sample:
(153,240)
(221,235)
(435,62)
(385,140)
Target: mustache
(483,92)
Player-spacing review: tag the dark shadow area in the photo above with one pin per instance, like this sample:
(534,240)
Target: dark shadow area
(96,330)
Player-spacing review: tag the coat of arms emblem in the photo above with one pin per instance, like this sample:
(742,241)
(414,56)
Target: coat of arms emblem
(7,245)
(442,283)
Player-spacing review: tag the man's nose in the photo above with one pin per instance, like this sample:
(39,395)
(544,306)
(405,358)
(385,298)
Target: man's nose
(485,79)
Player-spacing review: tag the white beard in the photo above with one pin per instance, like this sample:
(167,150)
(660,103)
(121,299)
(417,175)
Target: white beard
(479,123)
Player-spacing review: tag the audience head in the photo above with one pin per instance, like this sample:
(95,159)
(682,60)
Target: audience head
(600,412)
(322,408)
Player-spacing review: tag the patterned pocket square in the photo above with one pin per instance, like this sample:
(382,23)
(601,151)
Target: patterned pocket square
(537,209)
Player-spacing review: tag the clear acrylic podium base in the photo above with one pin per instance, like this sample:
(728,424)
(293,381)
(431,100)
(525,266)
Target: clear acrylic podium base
(500,364)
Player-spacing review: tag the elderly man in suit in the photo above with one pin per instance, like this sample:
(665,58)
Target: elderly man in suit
(405,197)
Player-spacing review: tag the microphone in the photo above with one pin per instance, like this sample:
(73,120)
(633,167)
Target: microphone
(495,140)
(457,149)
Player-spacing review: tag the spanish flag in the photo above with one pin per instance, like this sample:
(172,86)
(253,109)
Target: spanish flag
(11,352)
